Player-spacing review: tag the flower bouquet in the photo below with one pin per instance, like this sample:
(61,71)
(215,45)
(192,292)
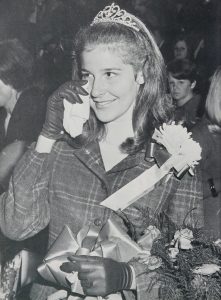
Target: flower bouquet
(187,264)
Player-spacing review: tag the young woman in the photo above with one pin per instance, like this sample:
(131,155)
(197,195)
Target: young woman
(182,48)
(62,179)
(208,134)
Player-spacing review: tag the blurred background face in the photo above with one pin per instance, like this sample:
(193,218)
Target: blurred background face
(181,89)
(139,5)
(180,50)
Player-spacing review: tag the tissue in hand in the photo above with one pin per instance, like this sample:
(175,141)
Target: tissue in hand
(75,115)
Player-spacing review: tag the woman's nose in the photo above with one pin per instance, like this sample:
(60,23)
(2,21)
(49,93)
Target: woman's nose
(98,88)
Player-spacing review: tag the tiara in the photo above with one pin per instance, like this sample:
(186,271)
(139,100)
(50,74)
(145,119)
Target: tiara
(113,13)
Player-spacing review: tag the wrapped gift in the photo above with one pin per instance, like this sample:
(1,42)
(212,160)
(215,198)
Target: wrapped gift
(111,242)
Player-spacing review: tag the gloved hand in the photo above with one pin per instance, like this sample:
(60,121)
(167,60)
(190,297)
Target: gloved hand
(99,276)
(53,126)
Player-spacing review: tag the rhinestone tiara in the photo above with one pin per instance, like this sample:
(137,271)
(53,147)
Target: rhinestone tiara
(113,13)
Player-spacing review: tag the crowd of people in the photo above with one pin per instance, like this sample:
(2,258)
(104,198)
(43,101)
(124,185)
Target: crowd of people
(81,95)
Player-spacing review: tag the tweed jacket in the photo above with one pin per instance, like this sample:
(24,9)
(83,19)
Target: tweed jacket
(66,187)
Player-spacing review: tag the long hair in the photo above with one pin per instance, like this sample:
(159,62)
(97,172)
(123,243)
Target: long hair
(137,48)
(213,100)
(16,64)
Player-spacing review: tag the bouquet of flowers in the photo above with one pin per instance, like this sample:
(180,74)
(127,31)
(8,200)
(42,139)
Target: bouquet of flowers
(187,263)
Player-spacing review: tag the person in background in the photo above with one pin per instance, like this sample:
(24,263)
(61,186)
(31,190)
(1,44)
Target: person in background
(208,133)
(182,82)
(22,114)
(187,46)
(70,175)
(182,48)
(22,106)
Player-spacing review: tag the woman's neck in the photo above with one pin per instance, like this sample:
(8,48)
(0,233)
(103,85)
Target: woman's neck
(119,130)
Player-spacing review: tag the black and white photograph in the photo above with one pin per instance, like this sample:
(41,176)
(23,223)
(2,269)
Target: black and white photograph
(110,149)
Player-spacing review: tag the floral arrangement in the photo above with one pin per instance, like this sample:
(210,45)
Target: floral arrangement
(187,264)
(185,152)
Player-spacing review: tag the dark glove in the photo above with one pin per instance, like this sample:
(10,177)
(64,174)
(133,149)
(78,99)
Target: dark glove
(99,276)
(53,126)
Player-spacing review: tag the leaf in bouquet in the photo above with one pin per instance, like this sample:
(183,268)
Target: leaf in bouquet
(184,265)
(169,289)
(166,225)
(216,250)
(213,290)
(159,249)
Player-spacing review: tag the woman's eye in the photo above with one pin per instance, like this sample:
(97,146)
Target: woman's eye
(110,74)
(84,76)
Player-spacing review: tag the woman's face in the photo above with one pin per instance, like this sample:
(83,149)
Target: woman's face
(180,50)
(113,83)
(5,94)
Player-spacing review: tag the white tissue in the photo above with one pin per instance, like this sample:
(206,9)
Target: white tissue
(75,115)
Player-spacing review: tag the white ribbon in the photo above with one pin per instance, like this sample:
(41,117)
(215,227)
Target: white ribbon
(142,184)
(135,189)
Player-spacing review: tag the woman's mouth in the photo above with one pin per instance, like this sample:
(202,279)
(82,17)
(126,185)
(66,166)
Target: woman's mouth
(103,104)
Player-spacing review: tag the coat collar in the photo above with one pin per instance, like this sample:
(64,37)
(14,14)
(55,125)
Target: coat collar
(91,157)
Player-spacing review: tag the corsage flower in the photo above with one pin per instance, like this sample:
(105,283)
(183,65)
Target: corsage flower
(184,151)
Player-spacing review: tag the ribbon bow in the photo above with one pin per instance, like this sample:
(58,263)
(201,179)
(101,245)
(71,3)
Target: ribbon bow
(167,161)
(111,242)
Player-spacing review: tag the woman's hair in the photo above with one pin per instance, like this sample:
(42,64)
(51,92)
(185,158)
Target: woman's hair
(182,69)
(213,100)
(153,106)
(16,64)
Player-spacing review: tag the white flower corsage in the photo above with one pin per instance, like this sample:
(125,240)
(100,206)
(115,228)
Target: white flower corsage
(185,152)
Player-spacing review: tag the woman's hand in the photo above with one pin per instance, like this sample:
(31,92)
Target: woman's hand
(99,276)
(53,126)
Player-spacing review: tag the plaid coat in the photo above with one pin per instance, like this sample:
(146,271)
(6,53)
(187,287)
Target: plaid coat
(66,187)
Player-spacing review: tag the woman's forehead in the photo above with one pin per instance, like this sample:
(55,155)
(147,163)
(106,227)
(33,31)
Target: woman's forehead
(116,47)
(112,49)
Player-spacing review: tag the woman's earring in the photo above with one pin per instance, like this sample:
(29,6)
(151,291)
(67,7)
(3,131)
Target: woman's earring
(140,77)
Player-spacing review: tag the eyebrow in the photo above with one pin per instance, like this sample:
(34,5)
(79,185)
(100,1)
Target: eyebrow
(105,69)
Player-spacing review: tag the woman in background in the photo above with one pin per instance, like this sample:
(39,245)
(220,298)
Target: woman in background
(182,48)
(208,134)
